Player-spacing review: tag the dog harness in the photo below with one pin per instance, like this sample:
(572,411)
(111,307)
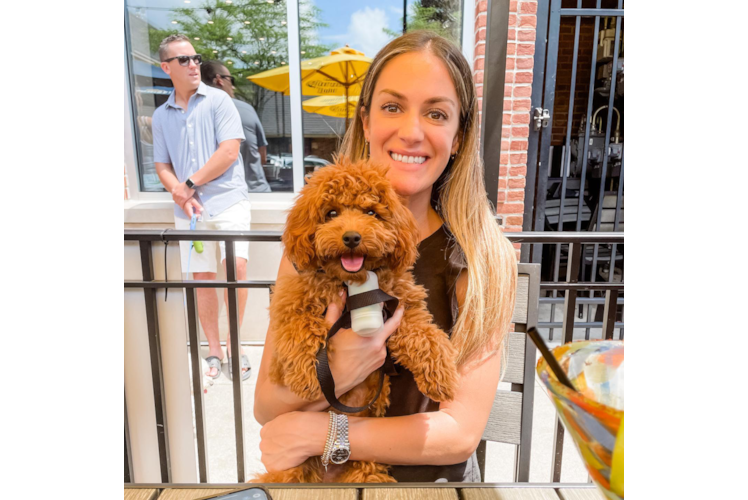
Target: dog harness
(324,375)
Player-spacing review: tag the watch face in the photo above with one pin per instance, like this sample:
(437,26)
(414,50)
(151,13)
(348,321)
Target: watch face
(339,455)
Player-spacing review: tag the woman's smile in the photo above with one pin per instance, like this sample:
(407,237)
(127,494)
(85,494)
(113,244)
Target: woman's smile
(409,161)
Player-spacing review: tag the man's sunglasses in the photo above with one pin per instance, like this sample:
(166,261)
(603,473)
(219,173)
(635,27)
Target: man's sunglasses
(185,60)
(229,77)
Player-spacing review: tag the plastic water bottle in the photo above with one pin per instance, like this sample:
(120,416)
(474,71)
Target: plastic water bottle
(366,321)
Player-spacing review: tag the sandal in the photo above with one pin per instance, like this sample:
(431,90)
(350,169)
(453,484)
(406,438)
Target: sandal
(213,362)
(245,364)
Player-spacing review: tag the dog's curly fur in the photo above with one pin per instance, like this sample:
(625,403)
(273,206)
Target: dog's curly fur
(313,241)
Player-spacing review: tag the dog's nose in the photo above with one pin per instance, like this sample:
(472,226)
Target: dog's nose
(351,239)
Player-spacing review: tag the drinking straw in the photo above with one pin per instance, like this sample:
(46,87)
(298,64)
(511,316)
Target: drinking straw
(549,358)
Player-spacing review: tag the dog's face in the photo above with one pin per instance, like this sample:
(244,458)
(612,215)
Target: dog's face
(347,220)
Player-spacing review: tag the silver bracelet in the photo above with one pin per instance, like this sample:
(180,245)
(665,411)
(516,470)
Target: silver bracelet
(332,427)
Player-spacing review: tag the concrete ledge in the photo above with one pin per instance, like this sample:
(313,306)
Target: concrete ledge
(149,212)
(162,212)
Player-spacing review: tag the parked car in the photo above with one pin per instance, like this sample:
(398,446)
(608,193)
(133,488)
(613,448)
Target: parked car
(279,170)
(313,163)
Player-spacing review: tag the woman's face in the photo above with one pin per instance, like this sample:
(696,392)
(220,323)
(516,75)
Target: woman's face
(413,121)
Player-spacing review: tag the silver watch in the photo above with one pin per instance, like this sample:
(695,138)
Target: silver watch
(341,448)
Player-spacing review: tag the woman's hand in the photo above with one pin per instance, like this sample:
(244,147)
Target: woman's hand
(291,438)
(352,357)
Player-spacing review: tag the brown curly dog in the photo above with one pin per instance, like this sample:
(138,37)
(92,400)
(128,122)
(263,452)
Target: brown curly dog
(339,199)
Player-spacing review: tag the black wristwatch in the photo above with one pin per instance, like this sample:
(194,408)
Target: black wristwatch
(190,184)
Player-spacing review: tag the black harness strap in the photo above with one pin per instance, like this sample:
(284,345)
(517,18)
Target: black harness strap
(324,375)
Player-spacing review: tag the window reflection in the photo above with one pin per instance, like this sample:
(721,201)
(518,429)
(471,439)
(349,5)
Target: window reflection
(244,36)
(251,36)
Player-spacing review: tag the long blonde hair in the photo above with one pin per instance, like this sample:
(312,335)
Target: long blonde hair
(491,260)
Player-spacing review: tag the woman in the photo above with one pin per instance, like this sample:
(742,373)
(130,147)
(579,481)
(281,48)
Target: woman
(417,113)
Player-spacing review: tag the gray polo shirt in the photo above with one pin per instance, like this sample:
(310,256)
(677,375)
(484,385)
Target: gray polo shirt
(188,138)
(254,138)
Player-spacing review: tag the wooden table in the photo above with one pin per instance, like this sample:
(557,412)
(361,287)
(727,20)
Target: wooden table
(420,491)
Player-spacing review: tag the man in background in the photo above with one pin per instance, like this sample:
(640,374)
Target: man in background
(254,147)
(196,138)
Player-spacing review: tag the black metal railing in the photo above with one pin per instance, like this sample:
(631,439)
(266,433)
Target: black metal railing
(149,285)
(575,182)
(571,287)
(146,238)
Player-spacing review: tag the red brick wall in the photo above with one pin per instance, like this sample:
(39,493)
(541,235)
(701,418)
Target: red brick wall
(517,91)
(564,68)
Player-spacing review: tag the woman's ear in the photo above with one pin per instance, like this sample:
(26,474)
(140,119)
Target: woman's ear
(456,143)
(365,122)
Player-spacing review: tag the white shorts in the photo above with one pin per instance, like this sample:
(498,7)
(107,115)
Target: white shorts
(235,218)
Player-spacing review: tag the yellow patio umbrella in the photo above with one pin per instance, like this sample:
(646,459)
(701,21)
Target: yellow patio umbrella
(331,105)
(339,74)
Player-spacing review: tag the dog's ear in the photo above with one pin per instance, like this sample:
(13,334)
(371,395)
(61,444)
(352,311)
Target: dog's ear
(406,248)
(301,224)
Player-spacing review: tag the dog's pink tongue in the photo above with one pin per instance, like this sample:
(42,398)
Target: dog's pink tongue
(352,262)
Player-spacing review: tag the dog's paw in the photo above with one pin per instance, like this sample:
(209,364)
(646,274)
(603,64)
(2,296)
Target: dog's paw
(436,392)
(441,382)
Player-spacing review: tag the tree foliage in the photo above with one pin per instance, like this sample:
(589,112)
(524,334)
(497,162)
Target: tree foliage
(247,36)
(443,17)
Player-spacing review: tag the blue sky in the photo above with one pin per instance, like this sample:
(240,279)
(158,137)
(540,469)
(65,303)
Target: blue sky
(359,23)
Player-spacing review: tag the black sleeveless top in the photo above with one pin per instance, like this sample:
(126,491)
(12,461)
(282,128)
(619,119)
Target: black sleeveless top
(438,265)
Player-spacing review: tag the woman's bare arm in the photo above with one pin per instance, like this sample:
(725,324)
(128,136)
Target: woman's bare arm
(444,437)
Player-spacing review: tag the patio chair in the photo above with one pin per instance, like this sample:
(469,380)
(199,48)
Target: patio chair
(511,416)
(608,216)
(604,251)
(571,203)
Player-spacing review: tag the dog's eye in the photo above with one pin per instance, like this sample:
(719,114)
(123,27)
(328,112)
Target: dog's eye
(371,212)
(332,214)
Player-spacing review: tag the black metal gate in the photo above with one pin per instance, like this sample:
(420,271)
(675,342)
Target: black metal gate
(575,160)
(575,148)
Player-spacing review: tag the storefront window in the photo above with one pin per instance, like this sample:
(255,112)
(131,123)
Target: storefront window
(250,37)
(246,37)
